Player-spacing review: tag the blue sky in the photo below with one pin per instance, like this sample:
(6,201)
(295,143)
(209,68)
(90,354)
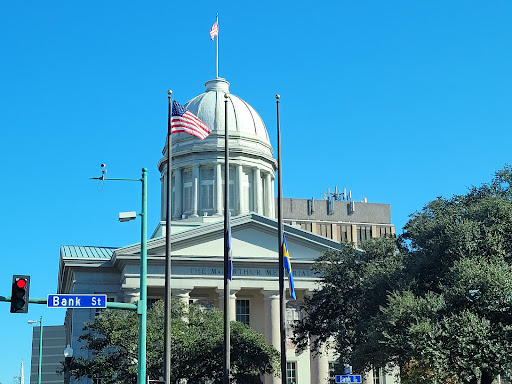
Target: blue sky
(399,101)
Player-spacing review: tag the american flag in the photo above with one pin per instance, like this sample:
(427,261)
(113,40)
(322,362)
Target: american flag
(185,121)
(214,31)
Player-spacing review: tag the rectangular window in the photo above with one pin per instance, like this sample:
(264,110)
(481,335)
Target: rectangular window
(242,311)
(248,198)
(206,176)
(379,376)
(232,196)
(187,190)
(291,372)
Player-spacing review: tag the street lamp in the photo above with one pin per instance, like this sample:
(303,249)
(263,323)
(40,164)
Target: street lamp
(142,303)
(68,356)
(40,345)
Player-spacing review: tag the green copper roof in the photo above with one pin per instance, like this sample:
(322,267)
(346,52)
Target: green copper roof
(86,252)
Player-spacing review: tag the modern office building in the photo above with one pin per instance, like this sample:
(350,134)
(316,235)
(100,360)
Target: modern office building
(54,343)
(312,227)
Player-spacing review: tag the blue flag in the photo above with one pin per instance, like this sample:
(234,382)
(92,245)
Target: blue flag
(230,253)
(288,267)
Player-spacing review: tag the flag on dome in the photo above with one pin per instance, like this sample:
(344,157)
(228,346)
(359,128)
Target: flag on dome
(185,121)
(214,31)
(288,267)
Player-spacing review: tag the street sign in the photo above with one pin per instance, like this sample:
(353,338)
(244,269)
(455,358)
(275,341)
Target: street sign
(77,301)
(348,379)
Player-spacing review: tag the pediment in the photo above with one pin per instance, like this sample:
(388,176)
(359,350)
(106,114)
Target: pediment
(253,237)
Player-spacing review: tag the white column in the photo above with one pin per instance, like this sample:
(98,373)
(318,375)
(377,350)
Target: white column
(272,331)
(239,190)
(218,190)
(232,303)
(182,295)
(269,196)
(258,200)
(319,364)
(178,188)
(273,199)
(131,295)
(195,190)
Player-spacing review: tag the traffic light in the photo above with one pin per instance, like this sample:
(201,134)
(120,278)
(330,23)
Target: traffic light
(19,295)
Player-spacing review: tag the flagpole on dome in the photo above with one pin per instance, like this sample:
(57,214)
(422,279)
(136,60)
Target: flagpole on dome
(282,302)
(214,31)
(217,50)
(168,290)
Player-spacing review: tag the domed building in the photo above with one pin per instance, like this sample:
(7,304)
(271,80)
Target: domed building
(197,173)
(198,166)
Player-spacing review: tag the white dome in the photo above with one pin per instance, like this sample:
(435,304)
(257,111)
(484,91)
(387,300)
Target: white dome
(209,108)
(197,165)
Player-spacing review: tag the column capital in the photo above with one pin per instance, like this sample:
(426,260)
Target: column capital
(270,294)
(232,292)
(182,293)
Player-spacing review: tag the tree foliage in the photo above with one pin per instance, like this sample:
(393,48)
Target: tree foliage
(197,347)
(438,305)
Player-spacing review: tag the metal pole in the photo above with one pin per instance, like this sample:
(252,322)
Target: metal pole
(40,350)
(227,330)
(142,308)
(168,290)
(282,301)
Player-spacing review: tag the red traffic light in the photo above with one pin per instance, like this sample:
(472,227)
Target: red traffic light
(21,283)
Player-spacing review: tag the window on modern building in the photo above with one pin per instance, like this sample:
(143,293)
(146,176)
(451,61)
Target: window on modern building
(187,190)
(242,311)
(291,372)
(363,233)
(206,176)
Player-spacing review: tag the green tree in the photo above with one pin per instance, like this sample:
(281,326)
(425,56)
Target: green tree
(441,307)
(197,347)
(354,286)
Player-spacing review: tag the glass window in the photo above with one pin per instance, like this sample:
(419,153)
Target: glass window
(242,311)
(291,372)
(206,175)
(187,190)
(232,196)
(248,198)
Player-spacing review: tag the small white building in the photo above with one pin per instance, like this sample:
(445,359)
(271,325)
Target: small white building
(197,240)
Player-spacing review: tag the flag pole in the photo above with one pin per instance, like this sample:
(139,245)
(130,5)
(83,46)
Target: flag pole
(167,311)
(217,53)
(227,330)
(282,298)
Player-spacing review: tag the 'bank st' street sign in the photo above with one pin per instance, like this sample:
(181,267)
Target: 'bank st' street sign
(348,379)
(77,301)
